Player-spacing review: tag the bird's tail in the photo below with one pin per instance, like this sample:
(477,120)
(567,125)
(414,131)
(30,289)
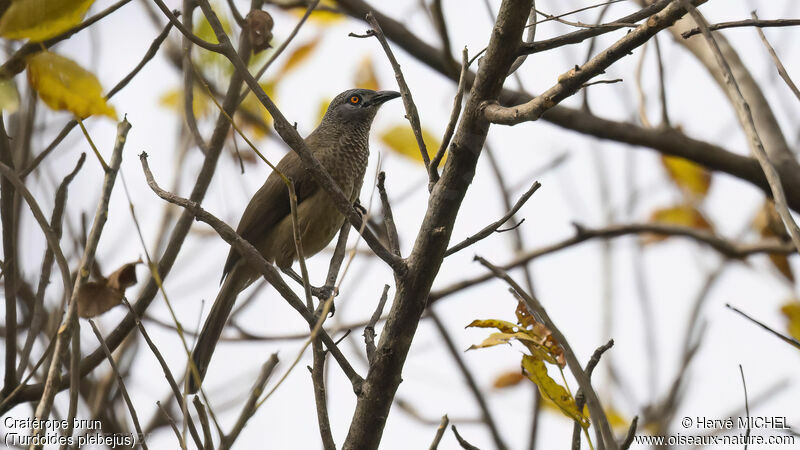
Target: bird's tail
(212,329)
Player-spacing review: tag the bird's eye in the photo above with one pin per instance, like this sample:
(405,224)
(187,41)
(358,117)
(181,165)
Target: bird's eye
(355,100)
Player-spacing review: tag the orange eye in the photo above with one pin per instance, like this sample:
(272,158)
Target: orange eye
(355,99)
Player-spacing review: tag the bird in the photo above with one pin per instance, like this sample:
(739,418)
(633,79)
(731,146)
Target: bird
(341,144)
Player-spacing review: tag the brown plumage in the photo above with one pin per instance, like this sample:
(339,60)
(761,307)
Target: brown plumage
(341,144)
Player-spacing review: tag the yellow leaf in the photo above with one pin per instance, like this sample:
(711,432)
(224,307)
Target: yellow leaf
(508,379)
(503,338)
(692,178)
(537,372)
(203,29)
(39,20)
(502,325)
(682,215)
(792,312)
(64,85)
(206,59)
(401,139)
(616,419)
(173,99)
(299,56)
(781,262)
(9,96)
(365,77)
(321,16)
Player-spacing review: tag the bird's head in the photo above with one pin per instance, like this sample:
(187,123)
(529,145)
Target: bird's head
(356,107)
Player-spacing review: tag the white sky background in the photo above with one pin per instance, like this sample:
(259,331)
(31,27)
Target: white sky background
(569,283)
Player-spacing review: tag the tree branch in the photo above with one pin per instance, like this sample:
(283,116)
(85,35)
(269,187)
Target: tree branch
(569,83)
(426,257)
(728,248)
(754,22)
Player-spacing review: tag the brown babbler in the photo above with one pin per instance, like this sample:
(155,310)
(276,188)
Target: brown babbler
(341,144)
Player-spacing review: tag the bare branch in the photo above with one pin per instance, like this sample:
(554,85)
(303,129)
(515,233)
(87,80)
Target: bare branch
(426,257)
(778,64)
(388,217)
(580,398)
(572,81)
(120,383)
(746,408)
(250,405)
(728,248)
(411,109)
(433,169)
(439,433)
(493,227)
(176,391)
(461,441)
(369,329)
(746,118)
(755,22)
(216,48)
(56,219)
(70,324)
(789,340)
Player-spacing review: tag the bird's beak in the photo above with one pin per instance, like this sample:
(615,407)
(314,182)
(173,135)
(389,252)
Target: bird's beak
(382,97)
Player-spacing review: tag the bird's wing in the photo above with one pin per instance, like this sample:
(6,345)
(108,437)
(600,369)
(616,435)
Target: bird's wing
(270,204)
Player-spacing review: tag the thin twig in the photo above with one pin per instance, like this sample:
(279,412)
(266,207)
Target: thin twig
(411,109)
(493,227)
(249,406)
(461,441)
(8,215)
(746,118)
(52,242)
(574,11)
(176,391)
(70,323)
(789,340)
(208,443)
(731,249)
(56,220)
(433,169)
(746,408)
(778,64)
(755,22)
(388,217)
(369,330)
(581,35)
(592,83)
(572,81)
(580,399)
(120,383)
(216,48)
(626,443)
(174,427)
(439,433)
